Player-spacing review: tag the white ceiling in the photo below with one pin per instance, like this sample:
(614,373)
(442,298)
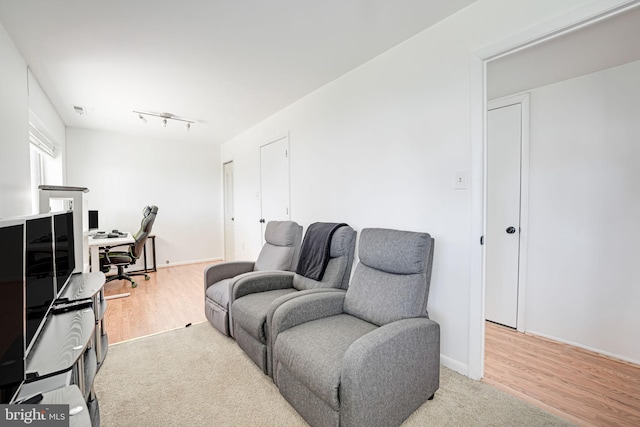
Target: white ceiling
(227,64)
(609,43)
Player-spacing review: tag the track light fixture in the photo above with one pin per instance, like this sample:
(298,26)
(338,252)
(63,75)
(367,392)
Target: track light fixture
(165,118)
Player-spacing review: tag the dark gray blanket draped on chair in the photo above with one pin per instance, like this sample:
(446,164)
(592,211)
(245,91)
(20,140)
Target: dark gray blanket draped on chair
(314,254)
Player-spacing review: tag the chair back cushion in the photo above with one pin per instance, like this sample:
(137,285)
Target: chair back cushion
(281,247)
(391,281)
(148,218)
(336,275)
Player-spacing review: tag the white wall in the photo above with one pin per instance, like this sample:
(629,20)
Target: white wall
(379,147)
(125,173)
(583,269)
(15,179)
(21,100)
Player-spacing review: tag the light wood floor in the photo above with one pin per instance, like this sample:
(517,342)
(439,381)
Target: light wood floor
(581,386)
(171,298)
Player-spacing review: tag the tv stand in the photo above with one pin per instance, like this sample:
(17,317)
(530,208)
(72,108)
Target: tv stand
(70,349)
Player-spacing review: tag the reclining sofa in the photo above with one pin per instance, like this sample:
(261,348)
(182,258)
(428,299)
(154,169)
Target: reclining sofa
(280,252)
(367,356)
(254,296)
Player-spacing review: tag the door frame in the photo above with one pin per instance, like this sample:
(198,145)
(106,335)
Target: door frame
(561,25)
(523,100)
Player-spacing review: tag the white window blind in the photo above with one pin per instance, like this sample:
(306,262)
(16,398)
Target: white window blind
(39,140)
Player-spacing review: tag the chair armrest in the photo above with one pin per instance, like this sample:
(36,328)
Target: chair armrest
(260,281)
(301,309)
(106,249)
(305,308)
(225,270)
(388,373)
(253,282)
(272,309)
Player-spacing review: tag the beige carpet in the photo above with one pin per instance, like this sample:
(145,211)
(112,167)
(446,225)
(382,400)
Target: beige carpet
(196,377)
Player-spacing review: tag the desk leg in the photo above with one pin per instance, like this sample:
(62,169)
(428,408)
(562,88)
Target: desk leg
(95,258)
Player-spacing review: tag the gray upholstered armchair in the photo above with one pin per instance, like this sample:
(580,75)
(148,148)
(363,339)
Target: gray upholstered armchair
(369,356)
(280,252)
(253,297)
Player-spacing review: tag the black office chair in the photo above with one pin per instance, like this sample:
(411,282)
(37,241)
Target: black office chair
(121,259)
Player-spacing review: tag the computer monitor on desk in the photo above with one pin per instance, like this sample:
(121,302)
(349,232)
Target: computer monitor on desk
(93,220)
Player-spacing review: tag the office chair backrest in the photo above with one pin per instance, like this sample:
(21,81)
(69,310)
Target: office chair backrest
(149,216)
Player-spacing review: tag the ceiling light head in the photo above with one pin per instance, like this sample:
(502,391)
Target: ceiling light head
(80,110)
(142,115)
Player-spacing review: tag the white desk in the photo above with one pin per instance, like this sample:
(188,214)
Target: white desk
(96,244)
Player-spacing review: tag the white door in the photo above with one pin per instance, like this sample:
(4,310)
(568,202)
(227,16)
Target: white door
(229,219)
(504,154)
(274,181)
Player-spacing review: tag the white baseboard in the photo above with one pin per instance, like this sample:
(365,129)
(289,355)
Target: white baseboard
(586,347)
(454,365)
(194,261)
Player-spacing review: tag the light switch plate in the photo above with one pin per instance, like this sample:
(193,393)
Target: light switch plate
(460,182)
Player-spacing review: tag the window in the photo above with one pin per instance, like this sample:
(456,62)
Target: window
(41,150)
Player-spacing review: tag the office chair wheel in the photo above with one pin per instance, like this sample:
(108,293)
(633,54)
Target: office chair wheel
(147,277)
(134,285)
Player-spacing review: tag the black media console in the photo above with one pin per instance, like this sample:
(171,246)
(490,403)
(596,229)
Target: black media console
(69,351)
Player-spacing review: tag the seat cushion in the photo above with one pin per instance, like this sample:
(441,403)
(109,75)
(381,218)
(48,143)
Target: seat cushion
(219,293)
(313,352)
(117,258)
(250,311)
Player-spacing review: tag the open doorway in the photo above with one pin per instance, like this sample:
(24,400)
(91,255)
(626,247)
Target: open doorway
(583,188)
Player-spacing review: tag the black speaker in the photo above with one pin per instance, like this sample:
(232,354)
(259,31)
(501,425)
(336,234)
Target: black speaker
(93,220)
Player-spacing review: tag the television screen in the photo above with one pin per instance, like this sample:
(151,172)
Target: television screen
(12,368)
(64,248)
(40,287)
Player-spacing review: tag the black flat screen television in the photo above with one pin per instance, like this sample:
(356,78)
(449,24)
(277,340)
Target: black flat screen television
(64,249)
(12,346)
(39,274)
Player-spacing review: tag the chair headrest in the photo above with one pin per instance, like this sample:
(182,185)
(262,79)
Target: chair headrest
(148,210)
(394,251)
(281,233)
(341,241)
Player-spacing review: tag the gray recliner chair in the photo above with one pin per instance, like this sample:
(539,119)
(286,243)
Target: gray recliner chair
(280,252)
(369,356)
(254,297)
